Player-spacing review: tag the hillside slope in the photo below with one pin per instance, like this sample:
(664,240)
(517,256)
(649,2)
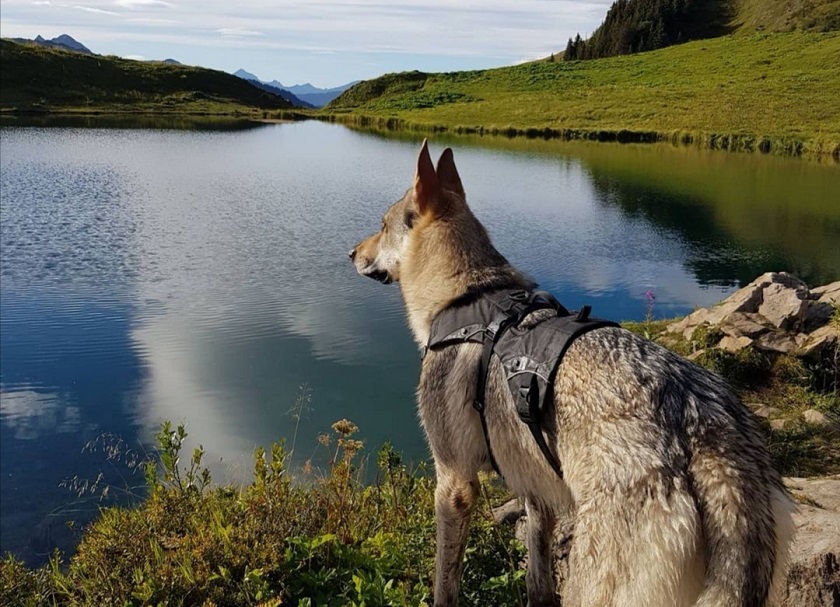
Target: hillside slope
(786,15)
(633,26)
(766,91)
(47,79)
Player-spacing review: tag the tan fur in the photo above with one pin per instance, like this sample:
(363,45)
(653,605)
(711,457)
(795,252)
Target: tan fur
(667,478)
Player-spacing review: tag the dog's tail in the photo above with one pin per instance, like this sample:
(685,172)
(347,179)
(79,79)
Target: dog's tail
(747,529)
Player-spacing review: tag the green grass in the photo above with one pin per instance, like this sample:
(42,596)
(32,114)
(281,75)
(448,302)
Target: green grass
(37,79)
(766,92)
(787,15)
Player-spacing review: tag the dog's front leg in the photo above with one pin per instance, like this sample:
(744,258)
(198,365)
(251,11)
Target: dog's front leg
(539,578)
(455,497)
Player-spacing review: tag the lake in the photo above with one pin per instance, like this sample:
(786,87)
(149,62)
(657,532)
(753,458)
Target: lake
(200,275)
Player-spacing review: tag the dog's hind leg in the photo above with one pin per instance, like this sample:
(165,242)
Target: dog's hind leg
(540,578)
(455,497)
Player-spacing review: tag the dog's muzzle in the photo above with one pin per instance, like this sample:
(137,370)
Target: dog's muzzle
(380,276)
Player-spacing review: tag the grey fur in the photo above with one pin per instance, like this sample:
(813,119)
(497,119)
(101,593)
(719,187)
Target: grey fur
(674,497)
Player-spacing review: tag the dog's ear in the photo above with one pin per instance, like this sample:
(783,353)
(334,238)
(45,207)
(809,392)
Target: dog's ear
(426,184)
(448,175)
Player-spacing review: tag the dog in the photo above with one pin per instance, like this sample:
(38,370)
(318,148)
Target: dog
(666,476)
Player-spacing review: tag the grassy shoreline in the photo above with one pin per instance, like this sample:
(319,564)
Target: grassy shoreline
(783,145)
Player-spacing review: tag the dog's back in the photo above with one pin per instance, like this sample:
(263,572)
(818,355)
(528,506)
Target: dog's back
(674,492)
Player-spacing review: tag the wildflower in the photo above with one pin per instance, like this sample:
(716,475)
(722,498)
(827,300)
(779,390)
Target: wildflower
(345,427)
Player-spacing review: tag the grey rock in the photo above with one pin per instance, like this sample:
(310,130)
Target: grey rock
(829,293)
(777,343)
(816,418)
(778,424)
(814,574)
(744,324)
(820,342)
(734,344)
(765,411)
(784,307)
(509,512)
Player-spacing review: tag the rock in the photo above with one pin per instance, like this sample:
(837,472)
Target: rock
(784,307)
(776,342)
(816,418)
(829,294)
(778,424)
(779,297)
(695,355)
(785,279)
(765,411)
(822,341)
(814,573)
(734,344)
(509,512)
(744,324)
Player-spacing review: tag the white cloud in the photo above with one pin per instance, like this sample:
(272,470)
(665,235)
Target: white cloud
(91,9)
(135,57)
(237,32)
(143,4)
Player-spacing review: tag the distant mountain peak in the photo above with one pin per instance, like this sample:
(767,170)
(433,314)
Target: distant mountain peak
(63,42)
(307,92)
(246,75)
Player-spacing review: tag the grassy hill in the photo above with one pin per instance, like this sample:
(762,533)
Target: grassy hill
(771,92)
(786,16)
(43,79)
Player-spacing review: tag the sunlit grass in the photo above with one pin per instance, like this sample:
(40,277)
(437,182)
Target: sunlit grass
(761,92)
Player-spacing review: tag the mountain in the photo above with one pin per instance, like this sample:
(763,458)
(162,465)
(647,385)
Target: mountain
(319,97)
(172,62)
(247,76)
(273,88)
(311,95)
(62,42)
(56,79)
(290,97)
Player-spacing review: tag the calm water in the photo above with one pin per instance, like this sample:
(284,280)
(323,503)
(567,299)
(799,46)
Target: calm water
(201,276)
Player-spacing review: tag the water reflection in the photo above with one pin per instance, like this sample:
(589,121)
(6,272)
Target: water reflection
(201,276)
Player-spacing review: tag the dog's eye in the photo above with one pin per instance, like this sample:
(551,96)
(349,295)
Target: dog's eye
(409,219)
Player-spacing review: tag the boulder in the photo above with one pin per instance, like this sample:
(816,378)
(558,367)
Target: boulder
(814,572)
(784,307)
(829,293)
(816,418)
(734,344)
(744,324)
(822,341)
(776,343)
(777,299)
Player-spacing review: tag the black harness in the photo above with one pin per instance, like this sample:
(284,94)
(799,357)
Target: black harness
(529,355)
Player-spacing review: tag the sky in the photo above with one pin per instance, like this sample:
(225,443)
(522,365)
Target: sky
(324,42)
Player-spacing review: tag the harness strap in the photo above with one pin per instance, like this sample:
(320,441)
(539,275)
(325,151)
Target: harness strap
(529,356)
(522,304)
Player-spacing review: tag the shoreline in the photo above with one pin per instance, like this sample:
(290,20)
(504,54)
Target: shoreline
(818,150)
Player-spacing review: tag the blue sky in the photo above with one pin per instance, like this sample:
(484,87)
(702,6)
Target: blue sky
(325,42)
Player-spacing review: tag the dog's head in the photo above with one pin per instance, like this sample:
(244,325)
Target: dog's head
(435,194)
